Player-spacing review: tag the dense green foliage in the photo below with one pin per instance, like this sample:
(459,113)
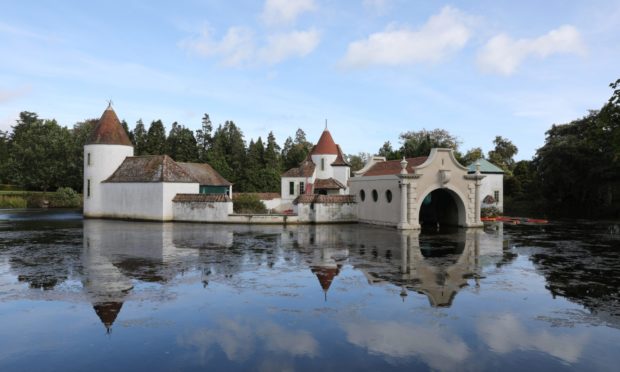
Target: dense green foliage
(248,203)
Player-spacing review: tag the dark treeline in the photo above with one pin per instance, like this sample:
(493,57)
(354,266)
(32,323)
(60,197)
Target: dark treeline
(576,173)
(40,154)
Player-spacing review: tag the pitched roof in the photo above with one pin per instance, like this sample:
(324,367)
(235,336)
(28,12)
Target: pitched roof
(340,160)
(204,174)
(324,199)
(328,184)
(326,145)
(201,198)
(485,167)
(305,169)
(392,167)
(325,275)
(108,131)
(150,168)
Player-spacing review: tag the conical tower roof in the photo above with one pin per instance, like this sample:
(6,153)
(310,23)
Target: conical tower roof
(326,145)
(108,131)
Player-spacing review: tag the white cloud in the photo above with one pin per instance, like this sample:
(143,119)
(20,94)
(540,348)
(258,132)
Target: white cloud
(293,44)
(503,55)
(238,46)
(442,34)
(506,334)
(285,12)
(398,340)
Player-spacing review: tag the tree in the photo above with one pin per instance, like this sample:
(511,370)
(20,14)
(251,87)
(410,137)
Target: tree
(39,150)
(472,155)
(4,156)
(388,152)
(156,139)
(128,132)
(358,161)
(255,166)
(420,143)
(75,163)
(228,153)
(615,97)
(181,144)
(273,165)
(204,138)
(503,154)
(295,151)
(139,136)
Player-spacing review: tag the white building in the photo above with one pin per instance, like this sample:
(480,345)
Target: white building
(434,190)
(492,187)
(324,171)
(120,185)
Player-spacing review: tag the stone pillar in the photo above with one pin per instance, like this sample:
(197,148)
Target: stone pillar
(477,198)
(404,221)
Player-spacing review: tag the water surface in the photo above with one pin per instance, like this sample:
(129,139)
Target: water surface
(104,295)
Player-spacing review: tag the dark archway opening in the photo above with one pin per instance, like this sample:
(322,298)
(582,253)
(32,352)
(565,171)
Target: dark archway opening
(439,208)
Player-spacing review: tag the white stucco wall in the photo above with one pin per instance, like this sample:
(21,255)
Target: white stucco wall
(287,198)
(202,211)
(328,170)
(142,200)
(342,174)
(327,212)
(104,159)
(274,204)
(490,184)
(380,212)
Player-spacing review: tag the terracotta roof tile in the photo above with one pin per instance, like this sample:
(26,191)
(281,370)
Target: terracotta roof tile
(325,275)
(326,145)
(204,174)
(324,199)
(340,159)
(306,169)
(328,184)
(201,198)
(150,168)
(392,167)
(108,131)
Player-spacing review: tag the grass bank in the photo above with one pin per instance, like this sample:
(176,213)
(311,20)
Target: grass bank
(62,198)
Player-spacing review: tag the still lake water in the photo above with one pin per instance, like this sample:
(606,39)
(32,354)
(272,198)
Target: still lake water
(97,295)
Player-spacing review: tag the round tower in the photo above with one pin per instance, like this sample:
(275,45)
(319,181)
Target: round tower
(106,148)
(324,154)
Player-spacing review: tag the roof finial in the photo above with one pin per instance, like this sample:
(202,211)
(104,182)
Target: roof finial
(325,124)
(109,104)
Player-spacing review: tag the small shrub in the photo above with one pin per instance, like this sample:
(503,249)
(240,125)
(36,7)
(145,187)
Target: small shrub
(12,202)
(490,212)
(248,203)
(65,197)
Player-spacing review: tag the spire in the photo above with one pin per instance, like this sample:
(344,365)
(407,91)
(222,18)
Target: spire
(326,144)
(108,130)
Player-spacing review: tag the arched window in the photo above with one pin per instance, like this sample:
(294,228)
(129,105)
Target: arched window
(375,195)
(388,196)
(362,195)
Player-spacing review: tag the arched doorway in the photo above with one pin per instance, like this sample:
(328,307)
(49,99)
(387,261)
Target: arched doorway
(442,207)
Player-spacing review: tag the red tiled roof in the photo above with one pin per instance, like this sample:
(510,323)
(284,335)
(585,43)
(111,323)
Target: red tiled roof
(205,174)
(261,195)
(107,312)
(324,199)
(108,131)
(150,168)
(391,167)
(326,145)
(201,198)
(328,184)
(325,275)
(340,159)
(306,169)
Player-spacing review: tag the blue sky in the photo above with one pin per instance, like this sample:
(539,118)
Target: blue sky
(373,68)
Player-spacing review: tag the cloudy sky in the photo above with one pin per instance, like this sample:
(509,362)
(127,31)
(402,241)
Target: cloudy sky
(373,68)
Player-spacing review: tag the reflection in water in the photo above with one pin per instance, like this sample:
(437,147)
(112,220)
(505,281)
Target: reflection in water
(300,297)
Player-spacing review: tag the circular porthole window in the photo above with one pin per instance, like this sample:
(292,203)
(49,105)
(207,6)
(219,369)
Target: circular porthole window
(388,196)
(375,195)
(362,195)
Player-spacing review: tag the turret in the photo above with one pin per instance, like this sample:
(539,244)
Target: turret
(106,148)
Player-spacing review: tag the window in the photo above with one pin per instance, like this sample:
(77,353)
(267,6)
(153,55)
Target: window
(322,164)
(88,188)
(388,196)
(88,159)
(496,196)
(291,188)
(362,195)
(302,188)
(375,195)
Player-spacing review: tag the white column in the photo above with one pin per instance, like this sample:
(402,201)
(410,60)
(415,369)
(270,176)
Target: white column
(404,222)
